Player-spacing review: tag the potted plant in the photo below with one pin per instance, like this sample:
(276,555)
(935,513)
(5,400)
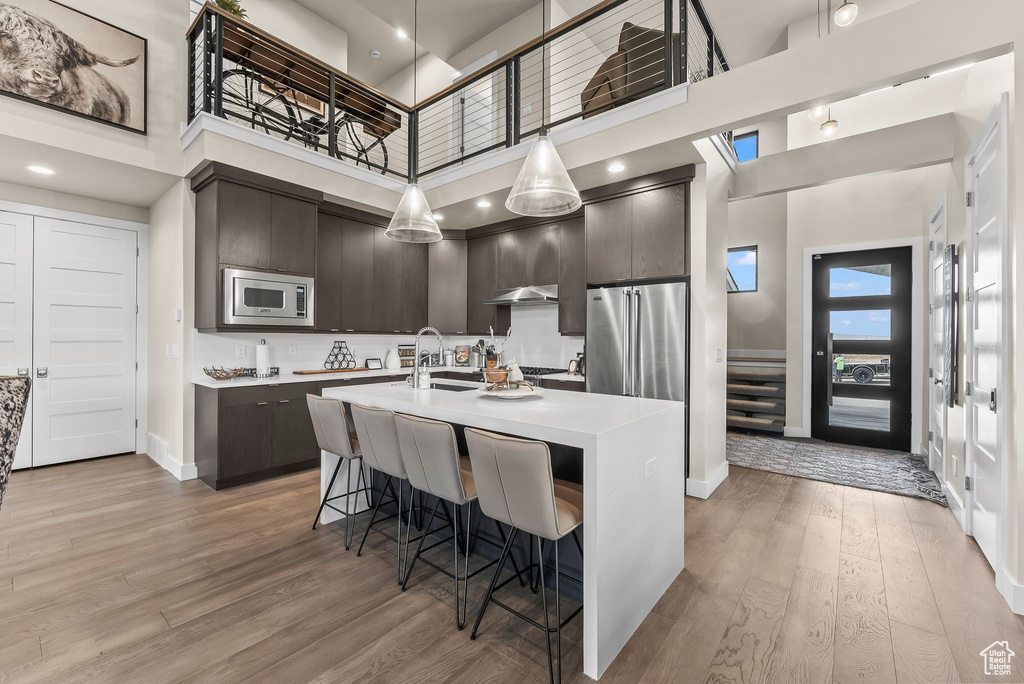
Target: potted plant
(232,7)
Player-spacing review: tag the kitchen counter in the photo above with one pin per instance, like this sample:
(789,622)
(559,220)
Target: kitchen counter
(566,377)
(633,488)
(288,377)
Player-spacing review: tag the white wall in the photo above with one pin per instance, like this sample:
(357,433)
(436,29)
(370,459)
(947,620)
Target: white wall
(433,75)
(709,226)
(296,25)
(82,205)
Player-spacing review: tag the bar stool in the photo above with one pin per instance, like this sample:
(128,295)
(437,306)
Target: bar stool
(378,439)
(432,460)
(333,436)
(515,486)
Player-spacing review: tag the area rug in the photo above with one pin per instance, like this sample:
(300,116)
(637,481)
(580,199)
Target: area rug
(882,471)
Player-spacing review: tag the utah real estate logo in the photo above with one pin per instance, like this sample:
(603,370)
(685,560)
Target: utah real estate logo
(997,658)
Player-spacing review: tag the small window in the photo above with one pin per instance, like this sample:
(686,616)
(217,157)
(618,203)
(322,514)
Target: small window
(741,269)
(746,146)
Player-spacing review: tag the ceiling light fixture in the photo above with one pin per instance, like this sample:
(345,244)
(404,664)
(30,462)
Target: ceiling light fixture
(846,13)
(401,34)
(818,114)
(41,170)
(413,221)
(616,168)
(483,204)
(543,187)
(830,129)
(438,217)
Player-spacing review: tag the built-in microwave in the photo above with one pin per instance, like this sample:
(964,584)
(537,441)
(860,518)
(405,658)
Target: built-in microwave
(255,298)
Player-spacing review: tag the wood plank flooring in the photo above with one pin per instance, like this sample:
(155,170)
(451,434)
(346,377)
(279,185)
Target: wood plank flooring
(112,570)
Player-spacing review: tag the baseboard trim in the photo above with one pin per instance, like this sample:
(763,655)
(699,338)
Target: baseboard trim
(956,507)
(157,451)
(796,432)
(702,489)
(1012,592)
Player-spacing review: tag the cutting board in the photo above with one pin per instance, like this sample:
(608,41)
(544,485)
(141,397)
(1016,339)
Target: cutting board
(325,372)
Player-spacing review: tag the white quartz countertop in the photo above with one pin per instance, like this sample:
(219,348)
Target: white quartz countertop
(565,377)
(287,377)
(572,418)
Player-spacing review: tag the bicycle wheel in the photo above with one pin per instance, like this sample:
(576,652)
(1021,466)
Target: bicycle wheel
(254,102)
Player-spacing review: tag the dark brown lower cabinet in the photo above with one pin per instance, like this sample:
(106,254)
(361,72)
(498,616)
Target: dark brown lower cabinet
(567,385)
(245,434)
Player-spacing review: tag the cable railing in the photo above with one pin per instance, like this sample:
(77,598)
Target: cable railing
(616,52)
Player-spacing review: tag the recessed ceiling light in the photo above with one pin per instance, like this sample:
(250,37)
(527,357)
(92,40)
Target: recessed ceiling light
(401,34)
(616,168)
(483,204)
(42,170)
(375,54)
(438,217)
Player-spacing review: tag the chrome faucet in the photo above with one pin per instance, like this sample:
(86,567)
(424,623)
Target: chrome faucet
(416,360)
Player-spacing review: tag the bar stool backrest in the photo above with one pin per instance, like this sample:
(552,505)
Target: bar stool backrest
(514,482)
(431,457)
(378,440)
(330,425)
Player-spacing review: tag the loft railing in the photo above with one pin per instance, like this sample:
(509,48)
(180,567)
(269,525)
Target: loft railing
(616,52)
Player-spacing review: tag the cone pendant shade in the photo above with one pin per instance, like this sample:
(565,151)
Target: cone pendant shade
(543,187)
(413,221)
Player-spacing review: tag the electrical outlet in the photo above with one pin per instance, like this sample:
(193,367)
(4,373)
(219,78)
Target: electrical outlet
(719,355)
(174,351)
(527,109)
(292,350)
(239,351)
(649,468)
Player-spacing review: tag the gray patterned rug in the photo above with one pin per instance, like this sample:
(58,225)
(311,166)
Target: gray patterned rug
(883,471)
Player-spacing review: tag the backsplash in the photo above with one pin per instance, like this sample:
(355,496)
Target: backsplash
(534,341)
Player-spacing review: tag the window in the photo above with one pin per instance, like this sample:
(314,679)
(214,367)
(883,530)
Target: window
(741,269)
(746,146)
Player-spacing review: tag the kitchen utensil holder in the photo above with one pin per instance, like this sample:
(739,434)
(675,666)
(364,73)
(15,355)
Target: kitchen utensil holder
(340,357)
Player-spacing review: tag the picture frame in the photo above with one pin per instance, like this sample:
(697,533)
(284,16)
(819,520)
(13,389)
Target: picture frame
(79,64)
(374,364)
(574,367)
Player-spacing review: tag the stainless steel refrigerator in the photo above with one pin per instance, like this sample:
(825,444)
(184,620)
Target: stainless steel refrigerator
(636,341)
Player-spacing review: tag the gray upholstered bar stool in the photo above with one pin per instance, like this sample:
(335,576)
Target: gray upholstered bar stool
(332,435)
(378,439)
(515,486)
(432,460)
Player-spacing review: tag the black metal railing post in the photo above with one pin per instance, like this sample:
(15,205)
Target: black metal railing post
(517,100)
(684,40)
(510,102)
(332,128)
(218,70)
(191,88)
(711,53)
(207,63)
(669,42)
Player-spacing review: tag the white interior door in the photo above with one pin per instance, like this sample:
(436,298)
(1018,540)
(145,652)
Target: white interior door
(985,180)
(936,341)
(16,312)
(84,341)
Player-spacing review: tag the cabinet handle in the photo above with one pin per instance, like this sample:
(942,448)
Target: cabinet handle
(261,403)
(274,385)
(350,330)
(334,330)
(284,401)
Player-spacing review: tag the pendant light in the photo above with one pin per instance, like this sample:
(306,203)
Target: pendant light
(846,13)
(543,187)
(413,220)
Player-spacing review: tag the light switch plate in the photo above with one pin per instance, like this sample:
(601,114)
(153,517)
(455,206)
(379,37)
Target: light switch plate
(719,355)
(649,468)
(239,351)
(292,350)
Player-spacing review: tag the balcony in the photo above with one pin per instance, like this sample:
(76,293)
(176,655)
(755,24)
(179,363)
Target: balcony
(617,52)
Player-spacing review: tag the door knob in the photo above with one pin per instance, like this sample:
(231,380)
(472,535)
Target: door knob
(937,381)
(23,372)
(41,372)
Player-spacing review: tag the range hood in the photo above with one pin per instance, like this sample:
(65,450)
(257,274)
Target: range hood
(531,295)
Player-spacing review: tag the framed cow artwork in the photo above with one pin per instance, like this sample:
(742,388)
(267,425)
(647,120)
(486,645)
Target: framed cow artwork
(58,57)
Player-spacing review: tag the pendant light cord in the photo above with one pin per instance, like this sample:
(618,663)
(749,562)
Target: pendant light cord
(543,67)
(415,85)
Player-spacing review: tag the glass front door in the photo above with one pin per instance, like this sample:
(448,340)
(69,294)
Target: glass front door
(861,345)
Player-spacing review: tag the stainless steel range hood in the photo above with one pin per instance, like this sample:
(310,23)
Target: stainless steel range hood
(531,295)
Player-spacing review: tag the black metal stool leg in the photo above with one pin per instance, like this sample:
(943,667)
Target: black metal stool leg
(460,619)
(577,540)
(494,580)
(327,493)
(419,547)
(544,598)
(558,613)
(387,483)
(404,565)
(515,566)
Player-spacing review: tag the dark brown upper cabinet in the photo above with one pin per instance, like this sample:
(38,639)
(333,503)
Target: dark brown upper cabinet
(386,291)
(609,240)
(357,273)
(415,268)
(637,237)
(511,269)
(481,280)
(293,235)
(327,292)
(243,216)
(659,233)
(447,303)
(572,277)
(528,256)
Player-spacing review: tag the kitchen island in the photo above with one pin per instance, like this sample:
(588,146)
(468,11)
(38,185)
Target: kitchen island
(633,488)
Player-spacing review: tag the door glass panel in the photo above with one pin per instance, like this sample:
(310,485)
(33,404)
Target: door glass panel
(861,369)
(863,414)
(860,281)
(861,325)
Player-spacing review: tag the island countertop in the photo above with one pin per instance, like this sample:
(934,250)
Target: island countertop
(572,418)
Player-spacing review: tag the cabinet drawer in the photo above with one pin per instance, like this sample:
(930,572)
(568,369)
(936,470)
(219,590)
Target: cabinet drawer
(266,393)
(567,385)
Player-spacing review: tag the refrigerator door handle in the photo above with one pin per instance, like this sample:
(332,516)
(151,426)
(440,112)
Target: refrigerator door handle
(635,345)
(626,340)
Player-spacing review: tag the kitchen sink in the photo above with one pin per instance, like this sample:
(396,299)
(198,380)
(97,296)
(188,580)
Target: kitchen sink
(451,388)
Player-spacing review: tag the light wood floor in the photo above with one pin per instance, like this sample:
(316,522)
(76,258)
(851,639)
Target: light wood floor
(113,571)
